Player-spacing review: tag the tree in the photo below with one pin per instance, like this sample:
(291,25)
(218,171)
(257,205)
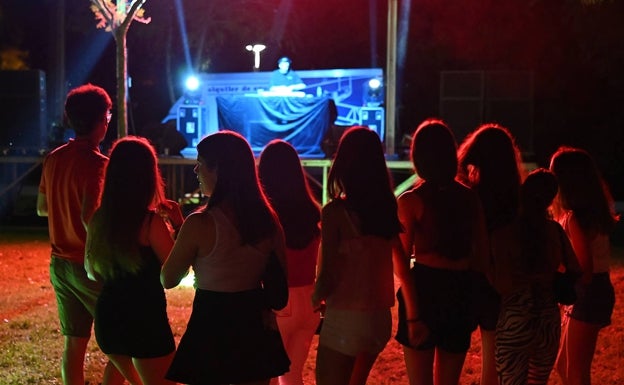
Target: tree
(116,18)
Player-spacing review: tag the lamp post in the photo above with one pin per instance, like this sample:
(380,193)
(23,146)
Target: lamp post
(256,49)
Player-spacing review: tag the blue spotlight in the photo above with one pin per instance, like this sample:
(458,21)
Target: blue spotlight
(192,83)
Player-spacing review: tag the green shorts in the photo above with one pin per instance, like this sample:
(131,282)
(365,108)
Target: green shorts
(76,296)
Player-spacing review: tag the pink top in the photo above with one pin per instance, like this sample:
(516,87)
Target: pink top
(302,264)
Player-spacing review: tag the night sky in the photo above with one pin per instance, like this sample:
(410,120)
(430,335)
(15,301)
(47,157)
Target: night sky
(575,52)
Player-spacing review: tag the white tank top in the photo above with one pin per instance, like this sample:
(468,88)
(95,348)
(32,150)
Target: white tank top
(230,266)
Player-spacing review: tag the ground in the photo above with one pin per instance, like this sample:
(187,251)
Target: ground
(30,342)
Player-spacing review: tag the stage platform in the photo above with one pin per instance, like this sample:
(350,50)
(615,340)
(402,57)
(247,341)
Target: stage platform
(20,175)
(179,176)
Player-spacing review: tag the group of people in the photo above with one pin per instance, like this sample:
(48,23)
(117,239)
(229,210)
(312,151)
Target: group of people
(474,244)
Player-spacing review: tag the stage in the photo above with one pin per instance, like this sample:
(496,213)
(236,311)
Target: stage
(20,178)
(242,103)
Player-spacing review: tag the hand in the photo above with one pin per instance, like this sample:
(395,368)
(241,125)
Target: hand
(170,210)
(417,332)
(318,305)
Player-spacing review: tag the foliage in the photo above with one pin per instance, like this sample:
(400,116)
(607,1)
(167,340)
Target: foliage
(13,59)
(111,16)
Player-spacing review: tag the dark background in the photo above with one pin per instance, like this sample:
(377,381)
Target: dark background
(574,51)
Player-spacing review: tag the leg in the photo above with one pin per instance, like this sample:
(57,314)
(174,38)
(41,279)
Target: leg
(545,347)
(72,366)
(297,324)
(112,376)
(582,338)
(153,370)
(419,365)
(297,347)
(126,368)
(363,364)
(514,340)
(448,367)
(332,367)
(561,364)
(488,360)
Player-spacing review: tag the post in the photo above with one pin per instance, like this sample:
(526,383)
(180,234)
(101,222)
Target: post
(391,68)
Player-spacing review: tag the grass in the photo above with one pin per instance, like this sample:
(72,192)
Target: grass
(31,344)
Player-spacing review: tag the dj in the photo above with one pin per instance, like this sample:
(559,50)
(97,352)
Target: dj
(284,79)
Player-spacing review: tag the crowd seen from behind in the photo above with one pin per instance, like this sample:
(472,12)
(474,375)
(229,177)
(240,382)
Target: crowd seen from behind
(477,242)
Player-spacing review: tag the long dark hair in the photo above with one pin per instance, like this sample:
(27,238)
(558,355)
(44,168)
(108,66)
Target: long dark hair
(230,155)
(582,189)
(492,151)
(286,187)
(448,215)
(132,187)
(360,177)
(536,195)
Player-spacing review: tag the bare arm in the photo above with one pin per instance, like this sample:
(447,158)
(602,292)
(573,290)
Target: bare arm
(186,248)
(42,205)
(87,260)
(329,266)
(160,238)
(408,210)
(581,243)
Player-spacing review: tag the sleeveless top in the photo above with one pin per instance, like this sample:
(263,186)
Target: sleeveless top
(302,264)
(231,266)
(367,281)
(599,247)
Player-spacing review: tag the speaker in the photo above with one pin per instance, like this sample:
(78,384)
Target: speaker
(461,101)
(470,98)
(373,118)
(23,116)
(509,102)
(189,123)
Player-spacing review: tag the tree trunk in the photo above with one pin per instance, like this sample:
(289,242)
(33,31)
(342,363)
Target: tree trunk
(122,82)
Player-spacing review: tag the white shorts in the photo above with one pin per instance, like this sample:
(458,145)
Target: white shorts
(353,332)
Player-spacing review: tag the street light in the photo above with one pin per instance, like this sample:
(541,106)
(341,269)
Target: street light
(256,49)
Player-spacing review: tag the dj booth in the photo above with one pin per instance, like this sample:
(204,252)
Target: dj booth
(301,121)
(240,102)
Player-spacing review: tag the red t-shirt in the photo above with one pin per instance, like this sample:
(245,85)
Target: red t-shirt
(72,180)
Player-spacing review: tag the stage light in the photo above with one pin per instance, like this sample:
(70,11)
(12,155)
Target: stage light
(373,93)
(256,49)
(192,83)
(374,83)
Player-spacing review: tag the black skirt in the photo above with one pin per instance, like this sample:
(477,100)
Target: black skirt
(131,316)
(230,338)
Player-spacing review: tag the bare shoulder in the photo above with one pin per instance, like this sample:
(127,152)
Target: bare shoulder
(410,203)
(201,222)
(332,208)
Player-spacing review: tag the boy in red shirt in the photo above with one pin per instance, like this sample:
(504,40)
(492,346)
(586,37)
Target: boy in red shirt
(69,193)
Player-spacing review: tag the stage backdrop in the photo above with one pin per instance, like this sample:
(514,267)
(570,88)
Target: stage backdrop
(302,121)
